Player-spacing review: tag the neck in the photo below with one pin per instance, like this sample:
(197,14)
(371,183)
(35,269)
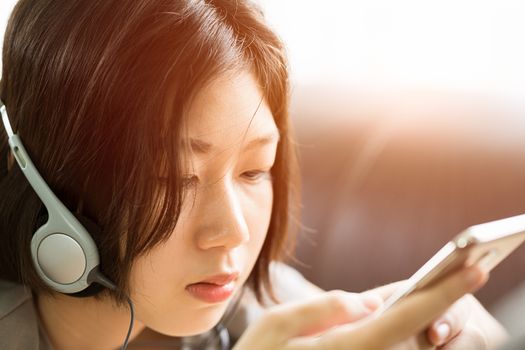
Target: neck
(84,323)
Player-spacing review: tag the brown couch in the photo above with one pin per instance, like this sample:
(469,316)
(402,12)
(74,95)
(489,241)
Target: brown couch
(388,180)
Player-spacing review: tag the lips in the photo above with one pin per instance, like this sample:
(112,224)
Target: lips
(214,289)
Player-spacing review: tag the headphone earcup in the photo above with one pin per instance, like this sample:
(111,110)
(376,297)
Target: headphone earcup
(61,255)
(94,231)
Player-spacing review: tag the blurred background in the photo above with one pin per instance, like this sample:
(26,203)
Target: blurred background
(410,120)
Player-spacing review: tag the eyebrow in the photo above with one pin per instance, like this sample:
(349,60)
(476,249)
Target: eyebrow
(203,147)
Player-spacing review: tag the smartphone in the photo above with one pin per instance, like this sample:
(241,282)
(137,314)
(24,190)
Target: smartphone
(484,244)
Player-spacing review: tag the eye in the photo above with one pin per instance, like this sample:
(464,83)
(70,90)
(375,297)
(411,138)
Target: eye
(256,175)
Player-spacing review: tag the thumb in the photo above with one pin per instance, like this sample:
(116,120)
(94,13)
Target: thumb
(414,313)
(324,311)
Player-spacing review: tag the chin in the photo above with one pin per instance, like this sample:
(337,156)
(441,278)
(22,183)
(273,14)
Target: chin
(197,323)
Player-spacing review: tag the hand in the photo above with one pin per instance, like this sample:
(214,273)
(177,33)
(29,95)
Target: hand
(307,318)
(312,325)
(466,325)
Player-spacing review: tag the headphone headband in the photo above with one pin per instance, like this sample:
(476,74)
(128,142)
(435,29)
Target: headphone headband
(5,119)
(64,253)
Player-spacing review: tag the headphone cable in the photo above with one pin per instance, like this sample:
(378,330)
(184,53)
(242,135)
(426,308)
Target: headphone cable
(132,317)
(100,278)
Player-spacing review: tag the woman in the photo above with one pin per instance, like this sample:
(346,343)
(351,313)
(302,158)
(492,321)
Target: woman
(163,126)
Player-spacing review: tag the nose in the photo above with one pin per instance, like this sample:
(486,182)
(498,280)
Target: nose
(222,222)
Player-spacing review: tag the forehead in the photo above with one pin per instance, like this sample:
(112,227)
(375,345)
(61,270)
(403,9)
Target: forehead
(229,109)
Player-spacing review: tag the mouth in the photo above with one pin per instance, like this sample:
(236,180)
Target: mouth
(214,289)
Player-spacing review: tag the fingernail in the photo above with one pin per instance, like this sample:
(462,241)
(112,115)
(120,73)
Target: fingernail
(442,331)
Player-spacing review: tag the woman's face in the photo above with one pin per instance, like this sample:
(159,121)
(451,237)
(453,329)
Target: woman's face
(183,286)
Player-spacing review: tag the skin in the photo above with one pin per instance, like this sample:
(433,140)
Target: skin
(222,227)
(284,327)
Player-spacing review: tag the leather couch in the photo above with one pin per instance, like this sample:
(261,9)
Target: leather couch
(389,178)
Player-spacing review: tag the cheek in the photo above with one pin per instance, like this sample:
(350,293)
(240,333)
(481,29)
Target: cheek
(158,278)
(154,276)
(258,211)
(161,303)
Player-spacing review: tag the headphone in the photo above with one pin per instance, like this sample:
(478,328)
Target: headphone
(64,253)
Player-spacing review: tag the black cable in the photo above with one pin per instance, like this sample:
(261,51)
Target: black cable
(98,277)
(132,317)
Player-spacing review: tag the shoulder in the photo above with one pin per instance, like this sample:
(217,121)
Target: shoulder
(18,321)
(12,297)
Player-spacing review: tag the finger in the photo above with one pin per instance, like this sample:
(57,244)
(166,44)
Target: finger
(386,291)
(409,317)
(470,338)
(324,312)
(451,323)
(321,313)
(422,307)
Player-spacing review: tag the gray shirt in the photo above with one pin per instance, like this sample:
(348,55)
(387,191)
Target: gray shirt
(19,326)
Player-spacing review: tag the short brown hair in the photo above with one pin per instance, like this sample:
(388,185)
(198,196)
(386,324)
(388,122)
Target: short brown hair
(86,83)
